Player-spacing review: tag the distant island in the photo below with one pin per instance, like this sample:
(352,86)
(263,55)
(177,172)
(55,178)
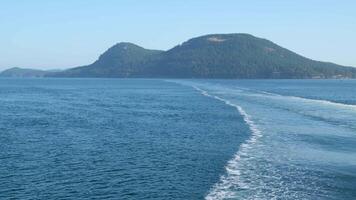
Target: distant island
(17,72)
(221,56)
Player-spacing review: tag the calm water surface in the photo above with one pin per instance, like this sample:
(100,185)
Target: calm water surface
(177,139)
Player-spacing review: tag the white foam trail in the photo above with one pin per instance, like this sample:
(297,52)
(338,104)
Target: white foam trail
(225,187)
(319,101)
(326,102)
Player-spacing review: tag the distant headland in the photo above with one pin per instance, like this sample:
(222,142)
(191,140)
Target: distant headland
(222,56)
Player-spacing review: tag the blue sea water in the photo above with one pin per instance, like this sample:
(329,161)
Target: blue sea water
(177,139)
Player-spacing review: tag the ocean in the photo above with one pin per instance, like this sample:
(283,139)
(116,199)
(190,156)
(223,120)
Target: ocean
(158,139)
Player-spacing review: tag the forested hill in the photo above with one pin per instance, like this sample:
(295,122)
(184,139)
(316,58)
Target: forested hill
(242,56)
(210,56)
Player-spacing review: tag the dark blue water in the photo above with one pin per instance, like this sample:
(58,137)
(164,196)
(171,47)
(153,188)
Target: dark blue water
(177,139)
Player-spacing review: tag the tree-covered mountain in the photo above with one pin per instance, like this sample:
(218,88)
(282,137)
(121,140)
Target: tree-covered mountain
(17,72)
(241,56)
(210,56)
(121,60)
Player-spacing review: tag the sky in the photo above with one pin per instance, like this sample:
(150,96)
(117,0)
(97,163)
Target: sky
(49,34)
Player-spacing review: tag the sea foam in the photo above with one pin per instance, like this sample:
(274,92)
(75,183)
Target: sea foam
(225,188)
(318,101)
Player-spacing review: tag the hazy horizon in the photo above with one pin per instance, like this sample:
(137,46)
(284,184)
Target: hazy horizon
(58,35)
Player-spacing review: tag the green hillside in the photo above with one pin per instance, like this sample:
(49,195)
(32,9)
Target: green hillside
(210,56)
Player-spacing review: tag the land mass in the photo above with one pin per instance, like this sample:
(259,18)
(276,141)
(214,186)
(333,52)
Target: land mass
(17,72)
(233,56)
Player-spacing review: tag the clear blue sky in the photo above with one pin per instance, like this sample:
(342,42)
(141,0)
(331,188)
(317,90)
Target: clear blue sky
(65,33)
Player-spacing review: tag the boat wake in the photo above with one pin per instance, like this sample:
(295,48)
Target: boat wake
(230,182)
(294,143)
(318,101)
